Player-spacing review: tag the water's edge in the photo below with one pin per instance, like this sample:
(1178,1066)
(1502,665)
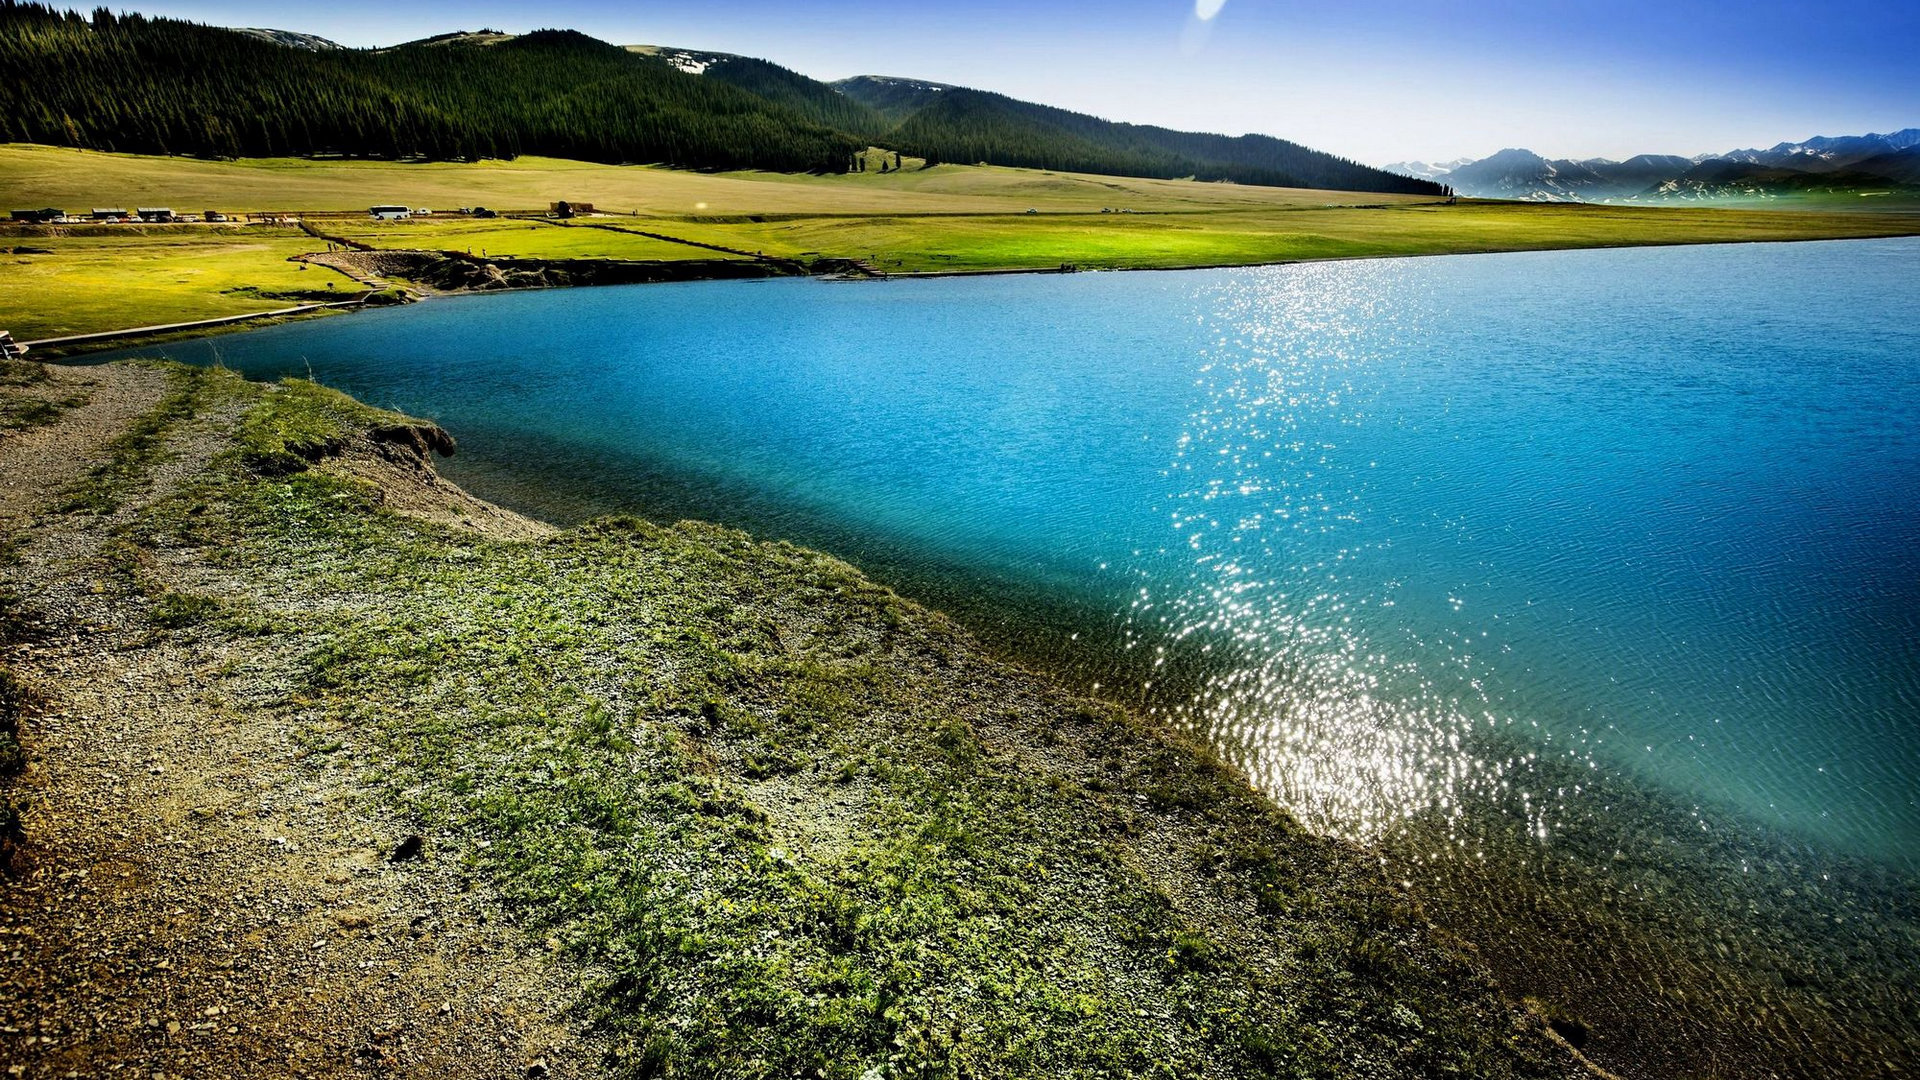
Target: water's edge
(1681,940)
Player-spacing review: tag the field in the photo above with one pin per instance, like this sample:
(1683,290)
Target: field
(505,238)
(76,179)
(104,277)
(917,220)
(1239,237)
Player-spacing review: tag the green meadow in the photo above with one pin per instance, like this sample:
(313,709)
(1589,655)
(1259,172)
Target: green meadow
(83,279)
(503,238)
(950,218)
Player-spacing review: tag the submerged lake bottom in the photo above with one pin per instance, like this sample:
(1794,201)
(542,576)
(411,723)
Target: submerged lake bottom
(1582,587)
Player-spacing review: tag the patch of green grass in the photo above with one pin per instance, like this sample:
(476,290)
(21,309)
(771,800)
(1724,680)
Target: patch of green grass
(298,423)
(21,411)
(18,414)
(174,610)
(21,372)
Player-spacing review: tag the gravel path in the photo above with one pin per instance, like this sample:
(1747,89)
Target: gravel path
(195,897)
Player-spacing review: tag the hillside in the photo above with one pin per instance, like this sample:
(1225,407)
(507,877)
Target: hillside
(815,100)
(952,123)
(163,86)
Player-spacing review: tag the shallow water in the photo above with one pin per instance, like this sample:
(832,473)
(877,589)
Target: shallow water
(1391,533)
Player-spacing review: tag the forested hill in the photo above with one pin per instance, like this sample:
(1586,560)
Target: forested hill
(163,86)
(953,123)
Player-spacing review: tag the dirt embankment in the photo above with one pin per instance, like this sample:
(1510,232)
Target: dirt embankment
(438,271)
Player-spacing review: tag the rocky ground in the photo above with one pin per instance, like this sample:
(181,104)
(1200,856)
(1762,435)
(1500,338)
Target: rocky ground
(188,902)
(332,770)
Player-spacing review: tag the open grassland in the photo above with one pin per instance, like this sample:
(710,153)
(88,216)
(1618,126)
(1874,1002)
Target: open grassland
(84,279)
(1103,241)
(516,239)
(946,219)
(77,180)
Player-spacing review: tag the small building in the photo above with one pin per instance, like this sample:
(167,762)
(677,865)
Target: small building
(389,213)
(565,209)
(39,217)
(109,214)
(155,215)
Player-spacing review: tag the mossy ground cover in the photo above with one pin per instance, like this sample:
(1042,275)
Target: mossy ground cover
(791,823)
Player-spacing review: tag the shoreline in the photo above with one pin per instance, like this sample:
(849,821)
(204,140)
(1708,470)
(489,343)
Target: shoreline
(860,783)
(1582,1019)
(138,337)
(1631,873)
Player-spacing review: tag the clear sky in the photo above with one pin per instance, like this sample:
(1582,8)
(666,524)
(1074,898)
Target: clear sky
(1376,80)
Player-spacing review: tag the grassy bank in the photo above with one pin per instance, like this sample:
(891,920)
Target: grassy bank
(950,218)
(778,820)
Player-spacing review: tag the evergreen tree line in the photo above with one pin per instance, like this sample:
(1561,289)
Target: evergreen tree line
(957,124)
(164,86)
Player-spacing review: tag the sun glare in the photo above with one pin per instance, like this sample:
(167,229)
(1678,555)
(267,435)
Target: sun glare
(1207,9)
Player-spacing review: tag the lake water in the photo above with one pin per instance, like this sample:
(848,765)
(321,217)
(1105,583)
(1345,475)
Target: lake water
(1440,542)
(1659,508)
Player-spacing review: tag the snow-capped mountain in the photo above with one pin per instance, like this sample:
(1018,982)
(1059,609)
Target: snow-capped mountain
(1826,154)
(1823,163)
(1424,171)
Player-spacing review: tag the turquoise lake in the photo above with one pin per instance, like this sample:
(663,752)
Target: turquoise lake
(1395,535)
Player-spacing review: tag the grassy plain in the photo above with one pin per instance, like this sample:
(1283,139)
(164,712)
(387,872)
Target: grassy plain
(917,220)
(508,238)
(93,278)
(1240,237)
(76,180)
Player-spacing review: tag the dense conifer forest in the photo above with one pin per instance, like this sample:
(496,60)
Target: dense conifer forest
(163,86)
(952,123)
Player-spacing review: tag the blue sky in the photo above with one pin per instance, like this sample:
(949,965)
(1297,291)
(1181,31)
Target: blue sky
(1377,80)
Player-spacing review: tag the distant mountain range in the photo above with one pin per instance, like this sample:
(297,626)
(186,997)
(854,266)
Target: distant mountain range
(1848,164)
(154,85)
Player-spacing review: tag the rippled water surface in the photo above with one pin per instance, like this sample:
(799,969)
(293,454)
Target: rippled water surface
(1394,534)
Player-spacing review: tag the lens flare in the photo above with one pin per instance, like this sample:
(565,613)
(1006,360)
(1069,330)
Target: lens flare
(1207,9)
